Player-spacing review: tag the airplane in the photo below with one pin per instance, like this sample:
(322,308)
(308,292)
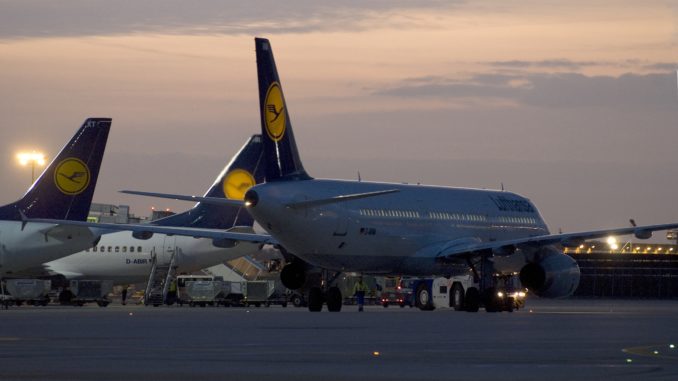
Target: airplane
(395,229)
(126,257)
(64,192)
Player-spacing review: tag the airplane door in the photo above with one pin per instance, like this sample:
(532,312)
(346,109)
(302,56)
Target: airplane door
(165,253)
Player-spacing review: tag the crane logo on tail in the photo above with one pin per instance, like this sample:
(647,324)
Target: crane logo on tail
(274,112)
(236,183)
(71,176)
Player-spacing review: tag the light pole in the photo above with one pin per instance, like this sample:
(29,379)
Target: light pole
(33,158)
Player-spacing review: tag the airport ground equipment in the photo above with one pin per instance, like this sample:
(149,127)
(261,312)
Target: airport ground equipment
(161,276)
(259,292)
(232,293)
(463,293)
(202,292)
(393,293)
(208,290)
(88,291)
(29,291)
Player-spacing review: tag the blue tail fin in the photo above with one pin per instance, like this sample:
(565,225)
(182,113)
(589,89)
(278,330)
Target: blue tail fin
(280,150)
(244,170)
(64,190)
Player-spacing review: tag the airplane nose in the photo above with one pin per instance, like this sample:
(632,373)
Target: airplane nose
(251,198)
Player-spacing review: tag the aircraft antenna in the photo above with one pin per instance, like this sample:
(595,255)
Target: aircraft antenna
(502,186)
(359,179)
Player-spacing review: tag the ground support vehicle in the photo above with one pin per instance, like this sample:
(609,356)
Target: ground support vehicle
(393,293)
(88,291)
(259,292)
(463,293)
(29,291)
(231,294)
(201,293)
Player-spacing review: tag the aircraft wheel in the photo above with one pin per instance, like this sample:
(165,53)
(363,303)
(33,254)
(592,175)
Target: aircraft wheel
(334,299)
(296,300)
(472,302)
(315,299)
(457,297)
(423,300)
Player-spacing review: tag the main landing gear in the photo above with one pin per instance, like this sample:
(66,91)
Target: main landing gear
(325,294)
(333,298)
(294,276)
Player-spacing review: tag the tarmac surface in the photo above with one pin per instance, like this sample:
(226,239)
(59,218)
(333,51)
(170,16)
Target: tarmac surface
(554,340)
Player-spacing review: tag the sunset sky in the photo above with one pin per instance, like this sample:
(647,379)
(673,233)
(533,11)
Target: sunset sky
(572,104)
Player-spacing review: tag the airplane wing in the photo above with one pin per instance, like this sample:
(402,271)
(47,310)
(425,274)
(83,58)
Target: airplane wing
(461,248)
(233,234)
(207,200)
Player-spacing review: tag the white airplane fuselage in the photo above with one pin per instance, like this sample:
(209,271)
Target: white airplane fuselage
(124,259)
(37,243)
(400,232)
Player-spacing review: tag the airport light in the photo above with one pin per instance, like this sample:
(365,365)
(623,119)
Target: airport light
(612,242)
(33,158)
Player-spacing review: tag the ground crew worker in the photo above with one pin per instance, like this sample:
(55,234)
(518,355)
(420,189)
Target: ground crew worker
(172,292)
(124,295)
(359,291)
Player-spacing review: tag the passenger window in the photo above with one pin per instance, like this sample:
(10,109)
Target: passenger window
(124,249)
(131,249)
(94,249)
(110,248)
(103,249)
(139,249)
(117,249)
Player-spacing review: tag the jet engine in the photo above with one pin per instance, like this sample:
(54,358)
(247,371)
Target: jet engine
(552,274)
(142,235)
(293,275)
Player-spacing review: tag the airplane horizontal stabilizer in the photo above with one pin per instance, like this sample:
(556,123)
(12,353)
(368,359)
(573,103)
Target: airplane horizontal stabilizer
(335,199)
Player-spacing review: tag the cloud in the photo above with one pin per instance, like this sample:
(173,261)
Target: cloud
(570,90)
(35,18)
(662,66)
(560,63)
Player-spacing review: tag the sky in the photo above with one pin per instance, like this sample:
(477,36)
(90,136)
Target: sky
(571,104)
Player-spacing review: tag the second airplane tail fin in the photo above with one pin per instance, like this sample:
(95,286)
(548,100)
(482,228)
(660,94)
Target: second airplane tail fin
(245,170)
(280,150)
(64,190)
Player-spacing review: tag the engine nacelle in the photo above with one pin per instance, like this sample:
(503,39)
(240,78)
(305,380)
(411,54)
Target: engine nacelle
(142,235)
(552,274)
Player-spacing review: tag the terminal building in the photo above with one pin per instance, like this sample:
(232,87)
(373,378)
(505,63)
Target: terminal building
(627,270)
